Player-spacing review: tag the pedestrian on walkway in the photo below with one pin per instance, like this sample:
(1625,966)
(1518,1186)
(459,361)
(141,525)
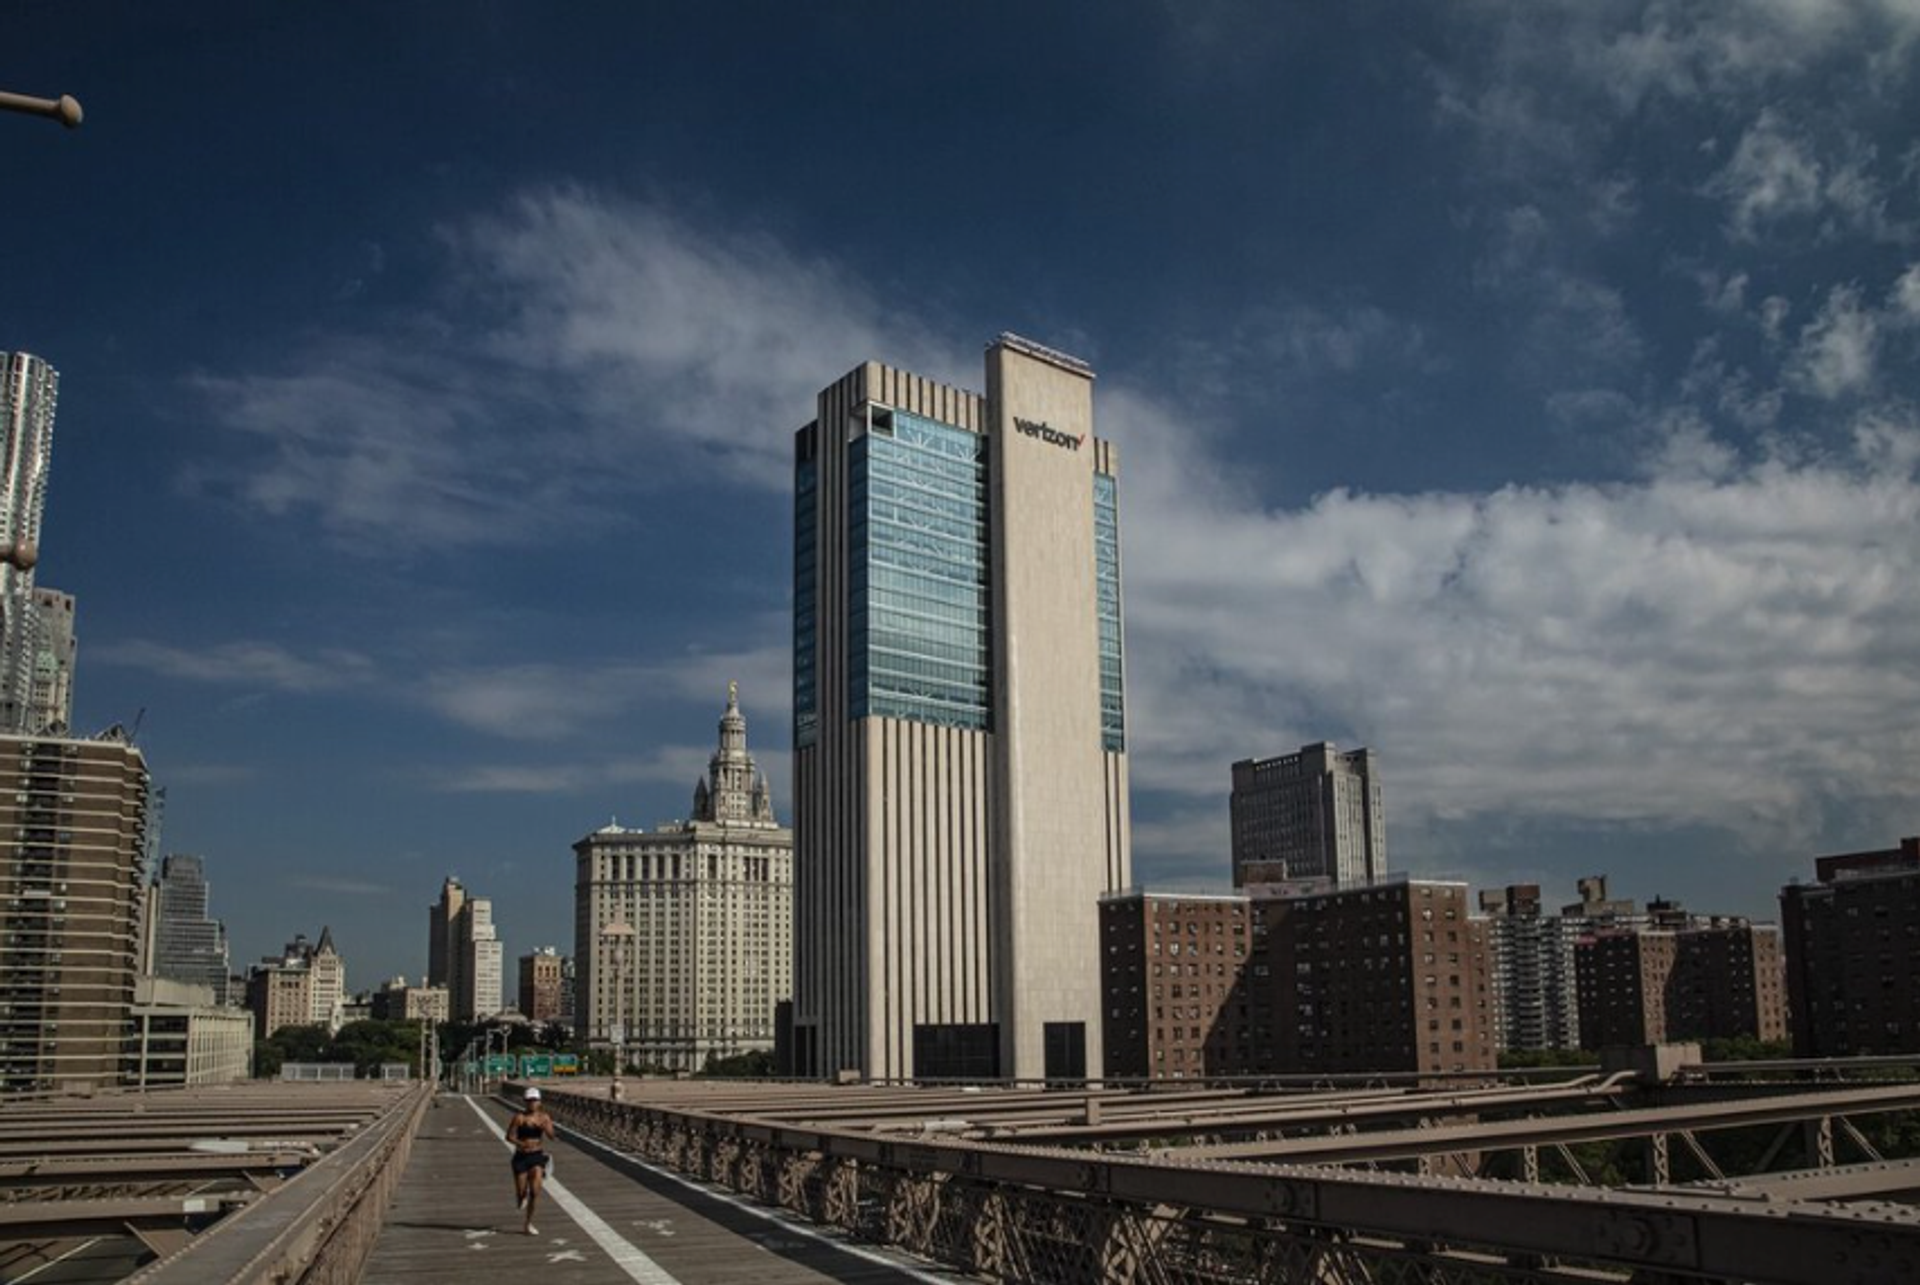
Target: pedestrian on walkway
(528,1131)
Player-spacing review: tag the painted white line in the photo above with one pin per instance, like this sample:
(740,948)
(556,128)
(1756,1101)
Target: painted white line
(778,1217)
(626,1255)
(81,1248)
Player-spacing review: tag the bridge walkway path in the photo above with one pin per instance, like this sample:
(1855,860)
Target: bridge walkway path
(606,1218)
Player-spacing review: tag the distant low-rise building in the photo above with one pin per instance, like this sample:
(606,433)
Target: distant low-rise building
(395,1001)
(541,981)
(1853,954)
(182,1035)
(304,985)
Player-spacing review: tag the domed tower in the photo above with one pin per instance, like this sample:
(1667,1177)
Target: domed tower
(733,789)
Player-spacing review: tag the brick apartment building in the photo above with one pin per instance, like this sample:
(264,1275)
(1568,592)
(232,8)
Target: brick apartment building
(1853,954)
(1393,976)
(1173,969)
(1682,977)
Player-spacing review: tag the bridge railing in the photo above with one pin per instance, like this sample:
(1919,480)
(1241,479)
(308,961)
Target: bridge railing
(316,1229)
(1021,1213)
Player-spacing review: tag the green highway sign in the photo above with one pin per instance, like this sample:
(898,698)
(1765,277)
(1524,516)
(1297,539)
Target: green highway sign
(536,1064)
(499,1064)
(566,1064)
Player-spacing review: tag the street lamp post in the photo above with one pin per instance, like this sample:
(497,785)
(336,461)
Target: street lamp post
(618,940)
(63,109)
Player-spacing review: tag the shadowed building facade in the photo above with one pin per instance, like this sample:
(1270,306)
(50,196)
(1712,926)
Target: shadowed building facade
(189,945)
(960,767)
(1853,954)
(1312,814)
(1680,977)
(73,834)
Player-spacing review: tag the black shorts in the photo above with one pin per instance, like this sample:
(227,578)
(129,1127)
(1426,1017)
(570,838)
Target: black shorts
(525,1160)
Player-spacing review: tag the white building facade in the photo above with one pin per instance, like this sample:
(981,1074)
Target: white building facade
(684,933)
(960,770)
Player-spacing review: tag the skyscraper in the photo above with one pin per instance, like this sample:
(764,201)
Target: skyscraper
(1313,814)
(189,946)
(443,960)
(475,987)
(959,727)
(36,630)
(73,820)
(1533,977)
(684,933)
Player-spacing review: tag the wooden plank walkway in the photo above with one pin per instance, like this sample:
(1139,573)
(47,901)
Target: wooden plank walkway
(617,1221)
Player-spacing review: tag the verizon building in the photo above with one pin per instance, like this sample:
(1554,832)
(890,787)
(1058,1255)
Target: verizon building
(960,765)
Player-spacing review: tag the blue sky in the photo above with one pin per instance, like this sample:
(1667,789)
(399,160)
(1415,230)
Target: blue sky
(1525,390)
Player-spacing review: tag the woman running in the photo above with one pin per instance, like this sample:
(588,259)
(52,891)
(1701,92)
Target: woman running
(528,1131)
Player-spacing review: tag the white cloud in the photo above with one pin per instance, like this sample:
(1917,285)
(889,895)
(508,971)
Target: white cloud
(688,336)
(1727,646)
(241,664)
(606,334)
(1903,301)
(209,774)
(1773,315)
(1724,643)
(1838,347)
(550,701)
(1727,295)
(670,765)
(1782,174)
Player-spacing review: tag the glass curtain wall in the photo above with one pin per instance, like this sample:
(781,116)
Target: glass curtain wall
(1106,555)
(917,574)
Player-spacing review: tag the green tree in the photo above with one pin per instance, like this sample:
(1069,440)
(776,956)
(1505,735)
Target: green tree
(292,1044)
(754,1065)
(371,1044)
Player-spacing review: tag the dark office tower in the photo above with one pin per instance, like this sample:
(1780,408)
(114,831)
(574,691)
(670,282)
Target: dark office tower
(443,955)
(188,945)
(1853,954)
(73,821)
(960,766)
(29,392)
(1315,814)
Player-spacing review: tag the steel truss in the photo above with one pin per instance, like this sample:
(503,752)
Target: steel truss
(1010,1213)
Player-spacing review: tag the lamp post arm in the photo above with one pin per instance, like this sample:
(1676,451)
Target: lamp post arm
(64,109)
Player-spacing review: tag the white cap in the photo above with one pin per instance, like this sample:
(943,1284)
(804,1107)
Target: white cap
(533,1095)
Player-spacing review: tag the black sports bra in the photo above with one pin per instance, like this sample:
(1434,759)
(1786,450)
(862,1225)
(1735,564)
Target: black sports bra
(528,1132)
